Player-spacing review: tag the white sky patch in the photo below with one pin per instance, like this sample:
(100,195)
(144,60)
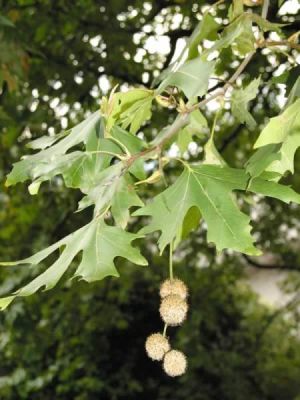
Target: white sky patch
(35,93)
(95,40)
(104,84)
(281,99)
(54,103)
(180,45)
(78,79)
(145,77)
(62,110)
(159,45)
(174,151)
(147,6)
(193,148)
(139,55)
(64,122)
(291,7)
(177,21)
(213,105)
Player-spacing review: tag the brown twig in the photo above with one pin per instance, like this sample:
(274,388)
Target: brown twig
(272,43)
(183,119)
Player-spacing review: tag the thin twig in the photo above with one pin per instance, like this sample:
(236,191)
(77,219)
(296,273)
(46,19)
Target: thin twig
(272,43)
(183,118)
(265,8)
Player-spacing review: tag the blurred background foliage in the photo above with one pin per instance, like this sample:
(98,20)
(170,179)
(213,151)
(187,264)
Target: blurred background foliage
(86,342)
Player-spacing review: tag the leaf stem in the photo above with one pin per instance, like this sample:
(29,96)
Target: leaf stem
(171,260)
(123,147)
(265,8)
(110,153)
(165,330)
(100,215)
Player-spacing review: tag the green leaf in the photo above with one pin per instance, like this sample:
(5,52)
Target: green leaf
(78,169)
(262,158)
(190,223)
(279,128)
(99,243)
(124,198)
(244,43)
(239,32)
(6,22)
(196,126)
(45,141)
(229,35)
(236,9)
(294,93)
(239,103)
(264,24)
(192,78)
(131,109)
(28,167)
(115,189)
(134,144)
(206,29)
(102,193)
(209,188)
(211,154)
(284,131)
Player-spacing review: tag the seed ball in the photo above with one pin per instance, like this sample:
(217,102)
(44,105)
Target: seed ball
(173,310)
(175,363)
(157,346)
(173,286)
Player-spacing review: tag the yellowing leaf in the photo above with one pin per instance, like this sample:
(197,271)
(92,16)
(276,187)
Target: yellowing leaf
(153,178)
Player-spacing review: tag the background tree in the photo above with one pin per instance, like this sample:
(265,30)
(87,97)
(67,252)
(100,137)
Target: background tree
(54,82)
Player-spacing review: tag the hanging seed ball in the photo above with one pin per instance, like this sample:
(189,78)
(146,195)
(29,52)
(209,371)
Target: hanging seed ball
(173,310)
(157,346)
(175,363)
(173,286)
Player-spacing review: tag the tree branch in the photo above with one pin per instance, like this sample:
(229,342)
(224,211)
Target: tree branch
(272,43)
(256,264)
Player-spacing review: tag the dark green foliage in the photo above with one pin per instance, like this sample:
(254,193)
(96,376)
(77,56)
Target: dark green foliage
(86,342)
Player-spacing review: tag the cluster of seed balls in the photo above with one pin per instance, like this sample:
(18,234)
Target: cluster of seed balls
(173,310)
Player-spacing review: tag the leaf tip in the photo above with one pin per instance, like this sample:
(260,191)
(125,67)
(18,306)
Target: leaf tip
(5,302)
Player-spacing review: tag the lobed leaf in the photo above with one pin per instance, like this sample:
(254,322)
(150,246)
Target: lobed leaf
(192,78)
(99,243)
(277,144)
(209,188)
(239,103)
(130,109)
(31,167)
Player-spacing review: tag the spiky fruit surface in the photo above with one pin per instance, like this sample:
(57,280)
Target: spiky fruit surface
(173,310)
(157,346)
(173,286)
(175,363)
